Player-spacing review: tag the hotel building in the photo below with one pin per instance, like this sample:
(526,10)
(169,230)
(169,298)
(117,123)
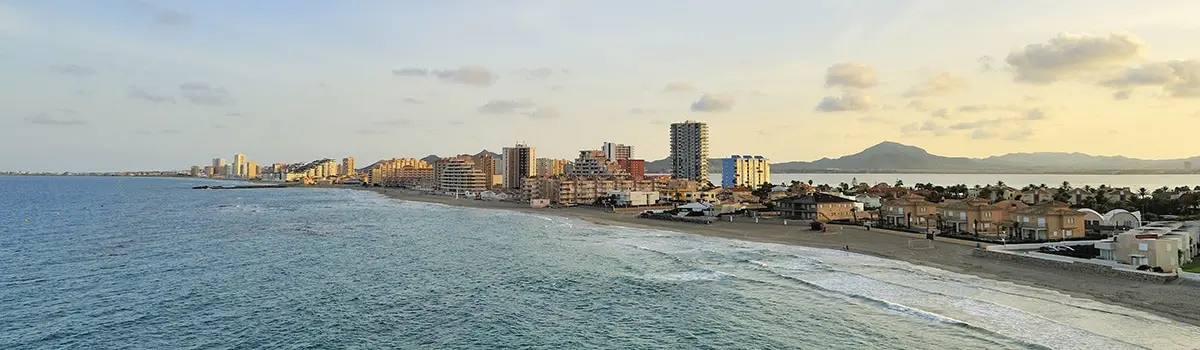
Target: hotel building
(745,171)
(460,174)
(547,167)
(585,190)
(689,151)
(348,166)
(520,163)
(592,163)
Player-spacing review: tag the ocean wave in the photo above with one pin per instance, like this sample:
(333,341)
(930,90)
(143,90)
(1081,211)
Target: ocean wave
(694,275)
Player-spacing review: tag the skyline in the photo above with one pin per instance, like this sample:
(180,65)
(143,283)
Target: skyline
(119,85)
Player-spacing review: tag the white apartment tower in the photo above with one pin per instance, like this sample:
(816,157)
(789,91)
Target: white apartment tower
(616,152)
(239,165)
(520,163)
(689,151)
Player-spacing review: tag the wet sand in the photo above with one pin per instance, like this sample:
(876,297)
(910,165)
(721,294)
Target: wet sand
(1175,300)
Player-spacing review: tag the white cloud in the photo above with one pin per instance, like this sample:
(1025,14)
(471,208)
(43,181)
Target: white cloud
(466,75)
(851,75)
(203,94)
(506,106)
(940,84)
(918,105)
(850,101)
(678,86)
(713,103)
(57,117)
(1122,94)
(142,94)
(1070,54)
(1178,78)
(982,134)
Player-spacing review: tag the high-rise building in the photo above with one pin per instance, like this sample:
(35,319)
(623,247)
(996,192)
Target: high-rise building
(520,164)
(689,151)
(745,171)
(348,166)
(218,167)
(460,174)
(592,163)
(239,165)
(635,167)
(195,171)
(252,170)
(486,163)
(547,167)
(615,152)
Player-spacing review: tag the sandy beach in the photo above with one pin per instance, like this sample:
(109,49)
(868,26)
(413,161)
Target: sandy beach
(1174,300)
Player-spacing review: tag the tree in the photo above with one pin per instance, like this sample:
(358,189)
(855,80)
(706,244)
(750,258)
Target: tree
(844,187)
(1000,184)
(763,191)
(1197,188)
(1142,192)
(810,182)
(899,183)
(985,193)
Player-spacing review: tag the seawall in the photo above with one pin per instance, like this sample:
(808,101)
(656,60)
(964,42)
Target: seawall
(1074,266)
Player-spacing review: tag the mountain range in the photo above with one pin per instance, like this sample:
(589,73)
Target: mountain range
(895,157)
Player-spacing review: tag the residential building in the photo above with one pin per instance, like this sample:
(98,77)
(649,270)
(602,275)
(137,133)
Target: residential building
(817,207)
(593,163)
(1048,221)
(1119,195)
(195,171)
(318,169)
(909,210)
(252,170)
(1036,195)
(635,167)
(239,165)
(616,152)
(520,164)
(869,201)
(585,190)
(461,175)
(1113,220)
(547,167)
(1077,196)
(745,171)
(348,167)
(218,167)
(401,172)
(973,216)
(689,151)
(1163,244)
(635,198)
(486,163)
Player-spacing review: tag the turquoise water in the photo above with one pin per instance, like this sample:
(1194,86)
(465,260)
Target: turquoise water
(118,263)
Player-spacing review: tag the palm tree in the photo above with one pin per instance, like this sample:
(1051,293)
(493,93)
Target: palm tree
(1142,192)
(1000,184)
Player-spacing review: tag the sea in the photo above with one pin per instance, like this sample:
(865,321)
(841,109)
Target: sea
(149,263)
(1134,181)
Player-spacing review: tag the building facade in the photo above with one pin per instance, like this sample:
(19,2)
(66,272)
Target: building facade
(635,167)
(218,167)
(239,165)
(461,175)
(745,171)
(592,163)
(910,210)
(616,152)
(689,151)
(585,190)
(816,207)
(520,164)
(1048,221)
(348,166)
(547,167)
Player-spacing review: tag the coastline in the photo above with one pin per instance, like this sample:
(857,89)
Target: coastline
(1172,301)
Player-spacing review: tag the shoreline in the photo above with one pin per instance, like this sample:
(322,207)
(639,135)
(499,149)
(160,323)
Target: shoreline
(1172,300)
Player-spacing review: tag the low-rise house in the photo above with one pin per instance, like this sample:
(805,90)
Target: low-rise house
(1077,196)
(1036,195)
(1113,220)
(816,207)
(1167,245)
(1119,195)
(1048,221)
(869,201)
(908,211)
(973,215)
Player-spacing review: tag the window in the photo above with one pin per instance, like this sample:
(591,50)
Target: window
(987,214)
(1067,233)
(986,225)
(1070,220)
(923,209)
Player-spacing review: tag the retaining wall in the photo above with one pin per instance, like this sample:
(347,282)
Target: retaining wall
(1074,266)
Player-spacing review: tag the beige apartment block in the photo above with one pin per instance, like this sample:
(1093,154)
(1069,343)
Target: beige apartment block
(1048,221)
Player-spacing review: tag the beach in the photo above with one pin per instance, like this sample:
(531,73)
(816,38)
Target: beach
(1172,300)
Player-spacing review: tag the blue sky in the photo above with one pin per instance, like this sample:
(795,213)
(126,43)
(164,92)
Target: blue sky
(112,85)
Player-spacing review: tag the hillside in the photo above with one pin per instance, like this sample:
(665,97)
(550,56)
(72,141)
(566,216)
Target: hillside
(895,157)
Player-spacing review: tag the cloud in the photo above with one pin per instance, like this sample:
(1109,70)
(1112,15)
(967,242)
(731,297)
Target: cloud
(850,101)
(370,132)
(975,124)
(940,84)
(411,72)
(73,70)
(540,73)
(414,101)
(1035,114)
(658,122)
(506,106)
(220,126)
(394,122)
(467,75)
(1122,95)
(455,122)
(982,134)
(170,131)
(138,93)
(713,103)
(544,112)
(918,106)
(57,117)
(678,86)
(555,87)
(972,108)
(202,94)
(851,75)
(233,114)
(987,64)
(941,113)
(1178,78)
(927,127)
(171,19)
(1070,54)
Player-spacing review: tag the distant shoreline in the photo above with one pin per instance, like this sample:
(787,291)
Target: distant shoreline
(1172,301)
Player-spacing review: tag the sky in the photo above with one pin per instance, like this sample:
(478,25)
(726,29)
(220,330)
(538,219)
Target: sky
(110,85)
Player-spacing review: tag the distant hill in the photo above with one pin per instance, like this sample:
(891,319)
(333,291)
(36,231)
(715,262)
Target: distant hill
(895,157)
(431,158)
